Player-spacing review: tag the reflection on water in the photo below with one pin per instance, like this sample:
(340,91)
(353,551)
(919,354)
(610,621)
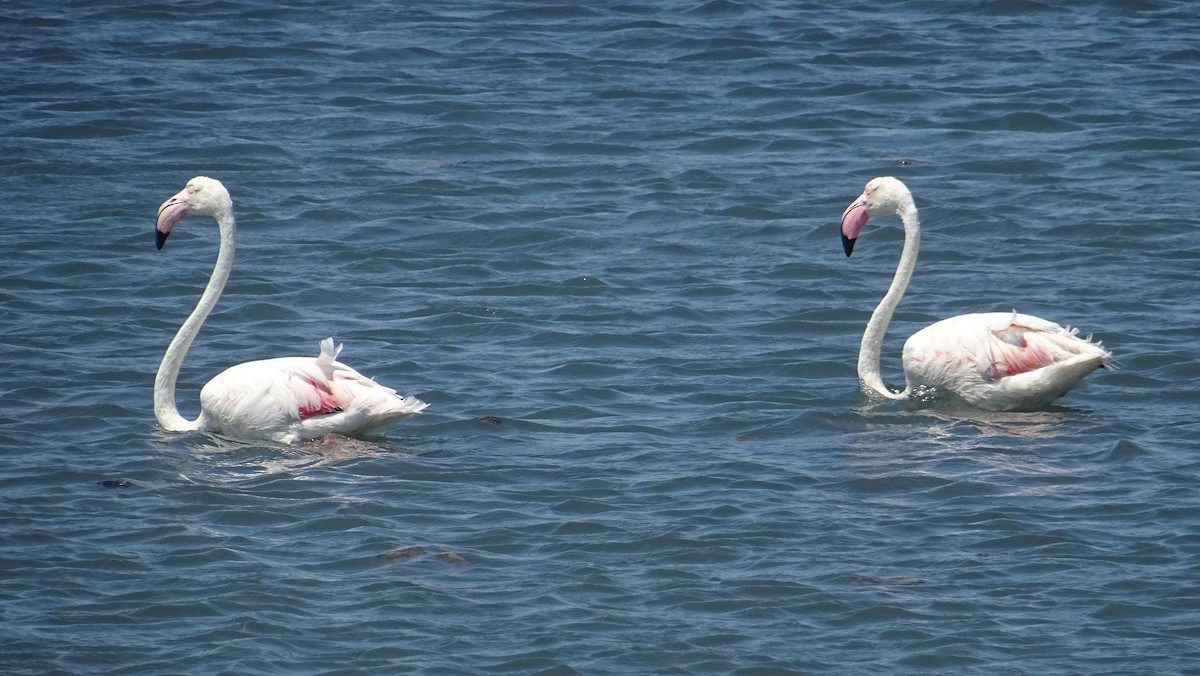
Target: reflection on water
(960,442)
(218,459)
(1001,424)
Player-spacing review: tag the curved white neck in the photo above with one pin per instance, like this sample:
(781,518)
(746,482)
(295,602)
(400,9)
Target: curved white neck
(168,371)
(872,340)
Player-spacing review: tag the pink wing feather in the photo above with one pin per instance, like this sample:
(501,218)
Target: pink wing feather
(1018,347)
(1001,361)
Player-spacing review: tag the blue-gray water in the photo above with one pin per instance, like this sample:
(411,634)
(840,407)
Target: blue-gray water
(600,239)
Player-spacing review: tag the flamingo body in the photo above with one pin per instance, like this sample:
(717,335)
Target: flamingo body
(998,361)
(299,398)
(288,399)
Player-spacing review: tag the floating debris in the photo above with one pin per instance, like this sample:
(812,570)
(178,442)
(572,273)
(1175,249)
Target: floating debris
(401,555)
(409,553)
(114,483)
(859,578)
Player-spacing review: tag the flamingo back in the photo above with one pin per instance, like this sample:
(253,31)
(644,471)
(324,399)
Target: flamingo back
(291,399)
(1001,361)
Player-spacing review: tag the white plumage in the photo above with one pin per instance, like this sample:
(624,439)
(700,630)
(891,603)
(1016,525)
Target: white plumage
(996,361)
(287,399)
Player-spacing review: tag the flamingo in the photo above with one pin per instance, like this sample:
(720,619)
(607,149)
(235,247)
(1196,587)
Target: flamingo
(288,399)
(996,361)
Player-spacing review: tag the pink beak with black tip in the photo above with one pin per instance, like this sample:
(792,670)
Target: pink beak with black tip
(171,212)
(853,220)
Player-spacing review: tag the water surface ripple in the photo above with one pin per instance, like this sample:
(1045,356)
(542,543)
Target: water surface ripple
(599,239)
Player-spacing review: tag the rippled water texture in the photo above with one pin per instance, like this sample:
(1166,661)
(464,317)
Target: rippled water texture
(600,240)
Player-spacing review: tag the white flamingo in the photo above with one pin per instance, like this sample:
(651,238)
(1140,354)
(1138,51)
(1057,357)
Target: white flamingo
(997,361)
(288,399)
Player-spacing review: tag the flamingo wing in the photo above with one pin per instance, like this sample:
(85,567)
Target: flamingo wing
(1022,344)
(1001,361)
(363,405)
(295,398)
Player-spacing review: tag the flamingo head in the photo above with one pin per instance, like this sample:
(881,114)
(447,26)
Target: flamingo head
(882,196)
(202,196)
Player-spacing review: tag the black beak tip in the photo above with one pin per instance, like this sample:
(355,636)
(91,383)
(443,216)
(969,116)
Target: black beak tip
(847,245)
(160,237)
